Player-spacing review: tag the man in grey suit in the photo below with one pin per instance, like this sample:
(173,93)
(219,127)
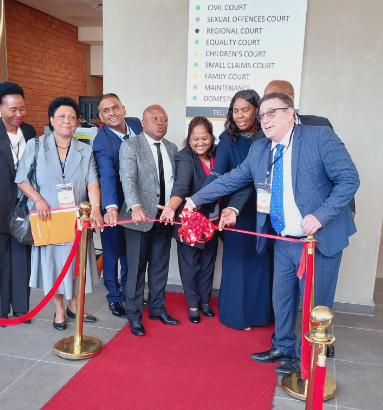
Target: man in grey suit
(147,172)
(312,181)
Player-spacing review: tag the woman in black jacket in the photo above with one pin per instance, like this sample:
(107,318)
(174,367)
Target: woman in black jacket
(196,263)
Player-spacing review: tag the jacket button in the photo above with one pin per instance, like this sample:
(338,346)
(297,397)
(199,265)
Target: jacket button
(158,195)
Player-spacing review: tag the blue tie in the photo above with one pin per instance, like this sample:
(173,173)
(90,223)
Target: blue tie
(276,209)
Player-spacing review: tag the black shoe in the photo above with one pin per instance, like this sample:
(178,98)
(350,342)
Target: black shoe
(87,318)
(270,356)
(117,309)
(206,310)
(4,317)
(17,314)
(165,318)
(330,351)
(136,328)
(286,368)
(58,326)
(194,316)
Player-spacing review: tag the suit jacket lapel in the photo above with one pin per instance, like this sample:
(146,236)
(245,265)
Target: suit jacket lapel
(295,155)
(74,159)
(52,157)
(5,149)
(169,149)
(149,155)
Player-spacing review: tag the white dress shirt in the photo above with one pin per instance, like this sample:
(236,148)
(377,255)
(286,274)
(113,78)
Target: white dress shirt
(293,217)
(168,170)
(18,145)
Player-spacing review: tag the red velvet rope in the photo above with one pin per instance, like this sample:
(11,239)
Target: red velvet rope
(320,381)
(306,346)
(51,293)
(195,228)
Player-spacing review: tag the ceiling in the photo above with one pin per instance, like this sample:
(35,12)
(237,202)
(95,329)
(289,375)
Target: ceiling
(80,13)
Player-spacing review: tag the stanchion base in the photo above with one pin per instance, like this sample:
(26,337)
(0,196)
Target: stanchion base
(294,386)
(65,348)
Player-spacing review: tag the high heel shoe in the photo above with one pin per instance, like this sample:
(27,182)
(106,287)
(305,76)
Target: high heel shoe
(59,326)
(194,316)
(87,318)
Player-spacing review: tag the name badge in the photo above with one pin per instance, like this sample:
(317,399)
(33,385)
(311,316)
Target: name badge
(65,195)
(263,198)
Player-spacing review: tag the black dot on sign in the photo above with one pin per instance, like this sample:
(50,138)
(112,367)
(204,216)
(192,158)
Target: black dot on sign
(197,30)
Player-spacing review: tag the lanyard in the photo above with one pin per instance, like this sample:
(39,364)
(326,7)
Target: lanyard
(62,163)
(16,154)
(277,159)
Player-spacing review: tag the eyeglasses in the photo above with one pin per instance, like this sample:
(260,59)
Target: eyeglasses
(270,113)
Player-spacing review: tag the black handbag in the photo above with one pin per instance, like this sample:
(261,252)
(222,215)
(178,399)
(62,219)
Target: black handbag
(20,227)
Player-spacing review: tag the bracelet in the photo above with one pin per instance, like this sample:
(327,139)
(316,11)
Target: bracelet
(96,205)
(39,199)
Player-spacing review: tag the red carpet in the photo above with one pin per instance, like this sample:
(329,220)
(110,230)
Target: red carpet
(204,366)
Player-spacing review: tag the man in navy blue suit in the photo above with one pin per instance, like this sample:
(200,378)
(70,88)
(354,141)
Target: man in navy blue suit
(106,147)
(312,180)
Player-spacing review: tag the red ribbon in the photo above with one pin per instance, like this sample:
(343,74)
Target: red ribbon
(195,228)
(306,346)
(51,293)
(319,384)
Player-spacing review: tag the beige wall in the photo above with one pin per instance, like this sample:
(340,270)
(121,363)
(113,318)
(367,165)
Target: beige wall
(145,63)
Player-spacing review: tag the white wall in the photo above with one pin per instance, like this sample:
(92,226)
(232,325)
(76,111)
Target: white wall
(342,80)
(145,63)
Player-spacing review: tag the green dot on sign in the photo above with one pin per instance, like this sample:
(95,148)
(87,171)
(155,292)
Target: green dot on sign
(195,64)
(198,7)
(196,42)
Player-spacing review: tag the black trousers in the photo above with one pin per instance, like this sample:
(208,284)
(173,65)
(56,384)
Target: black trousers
(147,251)
(197,270)
(15,271)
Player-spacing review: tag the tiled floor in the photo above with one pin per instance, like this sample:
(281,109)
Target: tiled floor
(30,373)
(358,364)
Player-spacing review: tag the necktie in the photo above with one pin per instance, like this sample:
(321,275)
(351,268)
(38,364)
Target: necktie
(276,209)
(125,137)
(161,173)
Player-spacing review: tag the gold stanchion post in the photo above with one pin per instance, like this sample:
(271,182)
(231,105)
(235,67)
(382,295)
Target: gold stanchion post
(293,384)
(80,346)
(321,319)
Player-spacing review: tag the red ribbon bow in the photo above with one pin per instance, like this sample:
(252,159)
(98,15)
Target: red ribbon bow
(195,228)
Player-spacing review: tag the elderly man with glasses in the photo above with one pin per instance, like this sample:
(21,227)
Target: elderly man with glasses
(305,179)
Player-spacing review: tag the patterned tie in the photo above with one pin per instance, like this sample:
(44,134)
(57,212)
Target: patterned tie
(276,209)
(125,137)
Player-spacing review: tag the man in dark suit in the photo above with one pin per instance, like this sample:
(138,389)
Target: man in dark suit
(15,260)
(106,147)
(285,87)
(312,181)
(147,172)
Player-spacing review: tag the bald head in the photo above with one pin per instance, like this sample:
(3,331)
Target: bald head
(155,122)
(280,86)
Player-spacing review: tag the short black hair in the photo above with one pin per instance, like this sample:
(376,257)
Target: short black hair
(285,99)
(59,102)
(107,96)
(8,88)
(231,127)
